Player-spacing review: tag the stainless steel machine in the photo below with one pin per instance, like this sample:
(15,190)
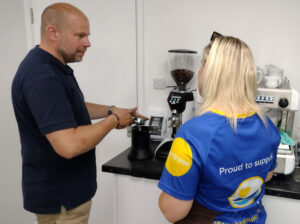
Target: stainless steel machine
(280,104)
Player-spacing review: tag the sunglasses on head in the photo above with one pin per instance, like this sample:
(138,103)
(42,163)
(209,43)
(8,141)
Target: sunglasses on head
(215,35)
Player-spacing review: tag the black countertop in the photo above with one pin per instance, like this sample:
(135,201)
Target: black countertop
(287,186)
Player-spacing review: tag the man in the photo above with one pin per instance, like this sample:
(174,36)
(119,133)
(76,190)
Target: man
(57,137)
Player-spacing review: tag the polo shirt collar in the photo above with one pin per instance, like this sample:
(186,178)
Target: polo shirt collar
(67,69)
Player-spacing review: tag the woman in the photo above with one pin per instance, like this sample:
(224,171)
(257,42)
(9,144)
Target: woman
(220,160)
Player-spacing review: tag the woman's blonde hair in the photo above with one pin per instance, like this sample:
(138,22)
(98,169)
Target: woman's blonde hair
(229,78)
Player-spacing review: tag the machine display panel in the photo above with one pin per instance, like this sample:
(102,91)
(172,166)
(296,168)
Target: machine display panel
(175,99)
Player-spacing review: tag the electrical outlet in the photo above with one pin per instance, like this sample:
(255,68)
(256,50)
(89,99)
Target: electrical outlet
(159,83)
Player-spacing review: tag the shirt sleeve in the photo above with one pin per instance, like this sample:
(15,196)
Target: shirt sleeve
(181,174)
(50,105)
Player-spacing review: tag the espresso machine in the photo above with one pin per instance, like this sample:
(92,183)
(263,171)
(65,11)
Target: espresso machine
(280,104)
(182,66)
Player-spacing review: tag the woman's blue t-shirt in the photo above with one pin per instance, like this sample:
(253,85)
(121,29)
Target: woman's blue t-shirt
(222,169)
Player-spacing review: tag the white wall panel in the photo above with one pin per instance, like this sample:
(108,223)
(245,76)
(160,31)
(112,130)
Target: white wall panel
(269,27)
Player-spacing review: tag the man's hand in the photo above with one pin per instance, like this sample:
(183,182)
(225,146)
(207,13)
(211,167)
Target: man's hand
(126,115)
(135,114)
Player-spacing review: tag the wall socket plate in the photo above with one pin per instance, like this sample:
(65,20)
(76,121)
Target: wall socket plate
(159,83)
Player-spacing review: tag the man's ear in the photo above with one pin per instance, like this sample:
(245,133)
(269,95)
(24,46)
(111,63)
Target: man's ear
(52,32)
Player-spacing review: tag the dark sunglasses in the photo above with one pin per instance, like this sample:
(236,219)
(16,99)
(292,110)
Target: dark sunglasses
(215,35)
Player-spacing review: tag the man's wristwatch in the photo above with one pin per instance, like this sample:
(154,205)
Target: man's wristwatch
(110,110)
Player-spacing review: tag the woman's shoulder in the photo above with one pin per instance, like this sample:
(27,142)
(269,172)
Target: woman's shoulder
(205,124)
(205,119)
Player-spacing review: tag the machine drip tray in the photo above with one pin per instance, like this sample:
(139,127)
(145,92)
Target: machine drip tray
(296,175)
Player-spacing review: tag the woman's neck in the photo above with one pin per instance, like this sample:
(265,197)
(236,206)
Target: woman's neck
(230,110)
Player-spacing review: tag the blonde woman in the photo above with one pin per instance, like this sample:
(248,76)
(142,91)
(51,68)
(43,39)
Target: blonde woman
(220,160)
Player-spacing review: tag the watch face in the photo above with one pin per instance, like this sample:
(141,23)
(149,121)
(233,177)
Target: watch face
(110,110)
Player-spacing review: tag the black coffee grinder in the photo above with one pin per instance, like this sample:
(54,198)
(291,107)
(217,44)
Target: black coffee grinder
(182,64)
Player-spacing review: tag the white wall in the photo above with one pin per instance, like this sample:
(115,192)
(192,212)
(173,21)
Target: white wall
(269,27)
(13,49)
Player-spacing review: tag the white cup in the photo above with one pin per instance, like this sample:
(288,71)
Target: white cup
(272,69)
(273,80)
(259,76)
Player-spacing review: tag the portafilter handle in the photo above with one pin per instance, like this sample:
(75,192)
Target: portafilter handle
(138,121)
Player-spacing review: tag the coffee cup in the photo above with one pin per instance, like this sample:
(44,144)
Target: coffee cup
(260,73)
(273,80)
(259,76)
(273,70)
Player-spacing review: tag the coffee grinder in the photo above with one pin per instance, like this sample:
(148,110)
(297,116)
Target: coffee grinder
(182,65)
(140,140)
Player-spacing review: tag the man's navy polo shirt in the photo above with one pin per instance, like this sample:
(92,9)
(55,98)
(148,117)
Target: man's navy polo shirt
(47,98)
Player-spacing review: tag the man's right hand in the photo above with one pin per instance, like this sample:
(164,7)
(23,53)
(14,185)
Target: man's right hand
(125,116)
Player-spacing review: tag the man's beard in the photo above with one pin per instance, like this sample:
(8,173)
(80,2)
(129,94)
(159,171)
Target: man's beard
(69,58)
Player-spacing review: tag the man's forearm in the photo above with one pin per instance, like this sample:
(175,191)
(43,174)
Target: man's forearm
(88,137)
(72,142)
(96,111)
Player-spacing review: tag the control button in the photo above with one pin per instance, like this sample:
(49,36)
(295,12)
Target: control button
(283,102)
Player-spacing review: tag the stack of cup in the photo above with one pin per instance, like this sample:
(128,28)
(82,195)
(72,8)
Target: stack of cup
(274,76)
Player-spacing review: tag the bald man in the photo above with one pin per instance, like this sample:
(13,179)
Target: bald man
(57,137)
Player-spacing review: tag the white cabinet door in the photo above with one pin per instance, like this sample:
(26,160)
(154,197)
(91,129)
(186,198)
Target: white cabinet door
(137,201)
(107,75)
(281,210)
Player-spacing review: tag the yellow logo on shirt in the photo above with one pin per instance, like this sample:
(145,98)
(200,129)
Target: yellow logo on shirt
(180,158)
(246,193)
